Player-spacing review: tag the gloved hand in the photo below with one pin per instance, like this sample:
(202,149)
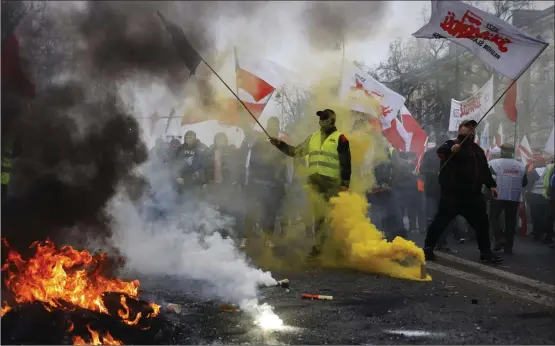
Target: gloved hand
(384,186)
(180,181)
(274,141)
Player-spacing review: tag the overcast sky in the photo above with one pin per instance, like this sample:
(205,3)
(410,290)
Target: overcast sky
(276,34)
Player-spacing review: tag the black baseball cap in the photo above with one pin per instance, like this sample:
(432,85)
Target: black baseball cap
(469,123)
(325,114)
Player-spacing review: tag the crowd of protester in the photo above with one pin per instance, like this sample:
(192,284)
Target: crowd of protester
(252,183)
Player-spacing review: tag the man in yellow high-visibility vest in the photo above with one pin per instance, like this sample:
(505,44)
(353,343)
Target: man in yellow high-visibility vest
(329,163)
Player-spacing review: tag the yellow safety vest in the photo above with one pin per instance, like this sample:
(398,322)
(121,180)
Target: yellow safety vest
(6,167)
(323,158)
(546,177)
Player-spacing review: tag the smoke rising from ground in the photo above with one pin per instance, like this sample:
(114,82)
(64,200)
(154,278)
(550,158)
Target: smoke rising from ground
(79,137)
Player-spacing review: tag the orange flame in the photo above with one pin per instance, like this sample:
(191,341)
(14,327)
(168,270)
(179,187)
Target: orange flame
(53,275)
(96,339)
(5,308)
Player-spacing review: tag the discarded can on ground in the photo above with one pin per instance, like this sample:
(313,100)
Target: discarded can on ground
(316,296)
(423,271)
(228,308)
(283,283)
(173,308)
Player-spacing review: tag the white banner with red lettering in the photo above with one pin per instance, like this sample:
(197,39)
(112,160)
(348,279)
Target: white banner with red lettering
(473,108)
(363,92)
(502,46)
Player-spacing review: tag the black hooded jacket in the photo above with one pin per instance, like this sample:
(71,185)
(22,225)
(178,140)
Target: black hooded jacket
(466,171)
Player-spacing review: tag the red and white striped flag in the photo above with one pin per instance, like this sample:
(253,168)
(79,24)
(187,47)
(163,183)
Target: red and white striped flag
(524,150)
(499,136)
(418,136)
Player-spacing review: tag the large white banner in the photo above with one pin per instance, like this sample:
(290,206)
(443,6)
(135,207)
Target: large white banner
(505,48)
(473,108)
(363,92)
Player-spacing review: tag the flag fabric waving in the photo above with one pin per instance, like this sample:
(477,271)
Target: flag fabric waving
(397,136)
(189,55)
(549,146)
(499,136)
(524,151)
(418,137)
(363,92)
(502,46)
(509,105)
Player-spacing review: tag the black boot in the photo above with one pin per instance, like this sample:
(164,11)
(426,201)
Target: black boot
(491,258)
(429,254)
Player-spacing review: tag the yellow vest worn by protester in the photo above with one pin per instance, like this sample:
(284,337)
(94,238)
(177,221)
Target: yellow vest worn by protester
(6,166)
(323,158)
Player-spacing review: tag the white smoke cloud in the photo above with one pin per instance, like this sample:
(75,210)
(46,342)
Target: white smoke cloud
(186,244)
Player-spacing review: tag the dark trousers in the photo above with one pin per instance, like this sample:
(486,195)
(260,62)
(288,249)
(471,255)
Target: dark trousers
(325,189)
(4,193)
(471,207)
(386,214)
(510,209)
(539,208)
(431,204)
(264,202)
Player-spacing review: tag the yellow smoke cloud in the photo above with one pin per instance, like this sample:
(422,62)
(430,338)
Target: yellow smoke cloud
(361,245)
(364,245)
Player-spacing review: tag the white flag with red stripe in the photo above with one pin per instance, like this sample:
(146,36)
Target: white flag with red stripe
(499,136)
(364,93)
(502,46)
(524,150)
(418,136)
(549,146)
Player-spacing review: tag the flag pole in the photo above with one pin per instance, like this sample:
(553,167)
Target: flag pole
(237,97)
(514,140)
(224,83)
(489,110)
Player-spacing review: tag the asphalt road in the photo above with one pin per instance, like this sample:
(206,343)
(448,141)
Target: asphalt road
(367,309)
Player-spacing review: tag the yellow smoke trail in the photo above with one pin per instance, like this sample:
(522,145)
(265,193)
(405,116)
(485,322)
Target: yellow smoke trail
(364,245)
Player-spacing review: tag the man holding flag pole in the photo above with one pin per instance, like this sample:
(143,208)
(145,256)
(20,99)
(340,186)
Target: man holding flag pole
(507,50)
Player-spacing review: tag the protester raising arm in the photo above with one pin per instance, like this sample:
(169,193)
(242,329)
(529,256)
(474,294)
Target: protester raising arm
(289,150)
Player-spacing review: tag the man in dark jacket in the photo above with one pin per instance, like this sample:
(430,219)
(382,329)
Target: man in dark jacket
(464,169)
(189,162)
(384,209)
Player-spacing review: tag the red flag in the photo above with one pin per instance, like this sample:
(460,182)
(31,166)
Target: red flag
(255,86)
(12,74)
(419,137)
(509,105)
(393,137)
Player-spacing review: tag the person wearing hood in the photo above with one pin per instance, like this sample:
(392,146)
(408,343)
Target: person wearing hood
(464,169)
(189,161)
(329,160)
